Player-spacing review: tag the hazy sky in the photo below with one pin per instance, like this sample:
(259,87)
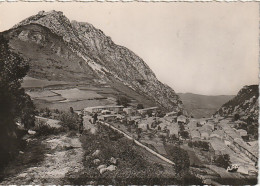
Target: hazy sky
(204,48)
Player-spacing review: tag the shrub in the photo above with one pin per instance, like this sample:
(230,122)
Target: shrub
(199,144)
(123,101)
(70,120)
(236,117)
(180,157)
(15,104)
(161,114)
(43,129)
(184,134)
(222,160)
(140,106)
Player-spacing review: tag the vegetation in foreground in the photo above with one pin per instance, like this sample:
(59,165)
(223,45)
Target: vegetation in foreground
(133,166)
(15,105)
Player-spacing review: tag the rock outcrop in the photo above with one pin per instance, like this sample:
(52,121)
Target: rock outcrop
(244,104)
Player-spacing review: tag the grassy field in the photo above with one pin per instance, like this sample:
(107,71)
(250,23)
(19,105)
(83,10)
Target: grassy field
(76,94)
(76,105)
(41,94)
(29,82)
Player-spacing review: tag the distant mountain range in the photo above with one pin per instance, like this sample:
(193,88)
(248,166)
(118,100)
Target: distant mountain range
(60,49)
(200,106)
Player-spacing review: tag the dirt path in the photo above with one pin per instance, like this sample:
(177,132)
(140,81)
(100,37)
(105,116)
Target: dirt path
(64,155)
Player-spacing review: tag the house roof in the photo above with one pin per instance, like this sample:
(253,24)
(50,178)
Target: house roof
(181,118)
(195,133)
(218,132)
(171,113)
(218,145)
(103,107)
(150,108)
(215,135)
(206,128)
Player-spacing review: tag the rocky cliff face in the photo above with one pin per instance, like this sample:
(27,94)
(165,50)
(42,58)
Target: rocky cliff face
(75,51)
(245,104)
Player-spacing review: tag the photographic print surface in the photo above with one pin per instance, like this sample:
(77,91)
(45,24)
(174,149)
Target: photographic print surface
(129,93)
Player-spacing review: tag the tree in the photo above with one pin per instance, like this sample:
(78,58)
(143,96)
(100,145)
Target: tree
(71,110)
(184,134)
(222,160)
(140,106)
(179,113)
(123,101)
(180,157)
(150,113)
(236,117)
(15,105)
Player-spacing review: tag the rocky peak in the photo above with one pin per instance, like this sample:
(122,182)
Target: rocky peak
(245,104)
(108,60)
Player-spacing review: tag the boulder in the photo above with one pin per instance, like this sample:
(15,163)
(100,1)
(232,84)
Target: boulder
(87,158)
(101,167)
(113,160)
(31,132)
(96,153)
(111,168)
(102,170)
(96,161)
(93,130)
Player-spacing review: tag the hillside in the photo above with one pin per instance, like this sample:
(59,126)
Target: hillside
(202,105)
(60,49)
(245,104)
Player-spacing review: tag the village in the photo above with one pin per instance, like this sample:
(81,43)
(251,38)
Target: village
(204,139)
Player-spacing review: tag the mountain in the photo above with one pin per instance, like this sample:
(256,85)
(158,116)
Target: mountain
(244,104)
(202,105)
(60,49)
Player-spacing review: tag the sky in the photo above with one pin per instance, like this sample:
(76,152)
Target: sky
(203,48)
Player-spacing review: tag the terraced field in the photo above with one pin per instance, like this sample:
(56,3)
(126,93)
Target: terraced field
(78,95)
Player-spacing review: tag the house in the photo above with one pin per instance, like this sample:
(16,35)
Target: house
(145,110)
(163,134)
(218,147)
(254,148)
(105,112)
(107,117)
(227,143)
(243,170)
(171,114)
(143,126)
(195,135)
(217,134)
(243,147)
(205,135)
(242,132)
(214,136)
(174,130)
(192,125)
(181,119)
(128,110)
(133,120)
(113,108)
(210,125)
(207,128)
(202,122)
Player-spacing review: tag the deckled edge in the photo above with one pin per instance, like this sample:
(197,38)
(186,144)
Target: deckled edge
(152,1)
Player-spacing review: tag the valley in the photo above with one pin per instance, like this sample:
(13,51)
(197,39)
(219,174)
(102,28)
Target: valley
(79,109)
